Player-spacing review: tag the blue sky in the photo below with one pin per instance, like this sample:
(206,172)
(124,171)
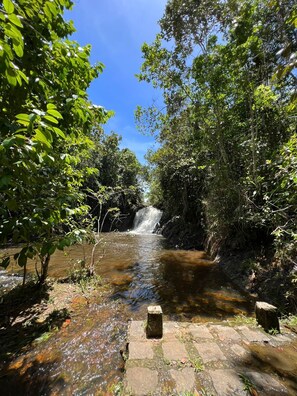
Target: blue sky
(116,29)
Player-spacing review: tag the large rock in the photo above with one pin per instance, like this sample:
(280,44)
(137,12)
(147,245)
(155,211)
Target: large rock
(266,315)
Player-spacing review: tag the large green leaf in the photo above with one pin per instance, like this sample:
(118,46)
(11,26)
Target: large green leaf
(8,6)
(42,137)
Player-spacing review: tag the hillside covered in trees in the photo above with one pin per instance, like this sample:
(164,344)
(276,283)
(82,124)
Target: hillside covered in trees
(227,160)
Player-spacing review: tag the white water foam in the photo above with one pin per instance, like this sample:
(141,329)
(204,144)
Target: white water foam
(146,220)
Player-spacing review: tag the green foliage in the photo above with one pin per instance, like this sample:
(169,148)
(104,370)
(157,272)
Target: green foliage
(116,182)
(45,127)
(197,364)
(248,385)
(227,156)
(290,320)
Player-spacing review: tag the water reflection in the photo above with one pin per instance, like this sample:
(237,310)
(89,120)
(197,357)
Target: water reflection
(187,284)
(142,270)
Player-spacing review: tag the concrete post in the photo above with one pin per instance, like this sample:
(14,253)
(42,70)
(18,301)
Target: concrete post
(154,326)
(266,315)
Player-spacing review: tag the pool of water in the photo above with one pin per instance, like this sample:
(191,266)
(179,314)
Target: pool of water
(142,270)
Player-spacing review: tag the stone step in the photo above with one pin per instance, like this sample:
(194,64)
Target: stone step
(207,359)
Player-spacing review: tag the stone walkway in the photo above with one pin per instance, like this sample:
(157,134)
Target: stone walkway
(212,359)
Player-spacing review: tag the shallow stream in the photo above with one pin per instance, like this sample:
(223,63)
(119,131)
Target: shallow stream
(84,359)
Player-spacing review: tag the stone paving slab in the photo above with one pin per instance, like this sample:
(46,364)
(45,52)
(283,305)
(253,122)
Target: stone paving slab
(141,381)
(210,352)
(184,379)
(141,350)
(171,331)
(240,351)
(137,331)
(227,383)
(226,333)
(205,359)
(174,350)
(200,332)
(252,335)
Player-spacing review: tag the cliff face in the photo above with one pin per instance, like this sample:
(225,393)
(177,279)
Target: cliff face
(181,234)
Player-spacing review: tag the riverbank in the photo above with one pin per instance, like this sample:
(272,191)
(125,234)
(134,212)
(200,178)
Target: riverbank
(255,271)
(263,276)
(53,340)
(32,314)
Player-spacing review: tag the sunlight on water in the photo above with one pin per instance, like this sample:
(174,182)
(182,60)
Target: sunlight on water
(141,271)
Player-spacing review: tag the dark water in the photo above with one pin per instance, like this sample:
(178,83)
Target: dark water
(84,359)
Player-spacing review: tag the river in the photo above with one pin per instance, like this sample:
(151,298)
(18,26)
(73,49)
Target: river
(141,270)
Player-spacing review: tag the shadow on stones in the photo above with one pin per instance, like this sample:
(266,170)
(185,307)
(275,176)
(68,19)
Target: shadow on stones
(19,327)
(30,378)
(267,359)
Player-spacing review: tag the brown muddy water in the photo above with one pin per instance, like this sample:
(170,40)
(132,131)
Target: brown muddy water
(84,359)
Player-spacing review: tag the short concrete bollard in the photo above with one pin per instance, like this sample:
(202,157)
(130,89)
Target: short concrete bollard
(266,315)
(154,326)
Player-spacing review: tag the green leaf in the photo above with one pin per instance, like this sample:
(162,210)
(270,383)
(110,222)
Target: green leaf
(11,77)
(8,6)
(24,77)
(5,262)
(48,248)
(51,106)
(51,119)
(23,119)
(40,136)
(12,32)
(18,49)
(59,132)
(15,20)
(54,113)
(8,142)
(22,259)
(5,180)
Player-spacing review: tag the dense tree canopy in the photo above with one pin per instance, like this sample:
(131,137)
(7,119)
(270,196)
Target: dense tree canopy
(47,129)
(227,161)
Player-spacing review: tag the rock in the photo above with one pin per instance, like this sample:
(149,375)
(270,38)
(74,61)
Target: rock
(154,327)
(266,315)
(266,384)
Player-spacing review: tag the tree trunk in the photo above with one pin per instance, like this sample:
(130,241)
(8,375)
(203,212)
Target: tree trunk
(44,268)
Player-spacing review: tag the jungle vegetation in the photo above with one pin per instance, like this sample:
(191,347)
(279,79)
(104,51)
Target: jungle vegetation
(53,152)
(227,160)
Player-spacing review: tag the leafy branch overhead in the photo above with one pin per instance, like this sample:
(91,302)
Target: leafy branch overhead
(46,125)
(227,72)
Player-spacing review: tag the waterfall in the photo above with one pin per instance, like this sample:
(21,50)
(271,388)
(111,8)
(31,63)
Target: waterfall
(146,220)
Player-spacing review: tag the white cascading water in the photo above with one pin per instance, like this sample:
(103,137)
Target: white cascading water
(146,220)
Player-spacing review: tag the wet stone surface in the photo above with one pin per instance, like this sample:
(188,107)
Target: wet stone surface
(211,359)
